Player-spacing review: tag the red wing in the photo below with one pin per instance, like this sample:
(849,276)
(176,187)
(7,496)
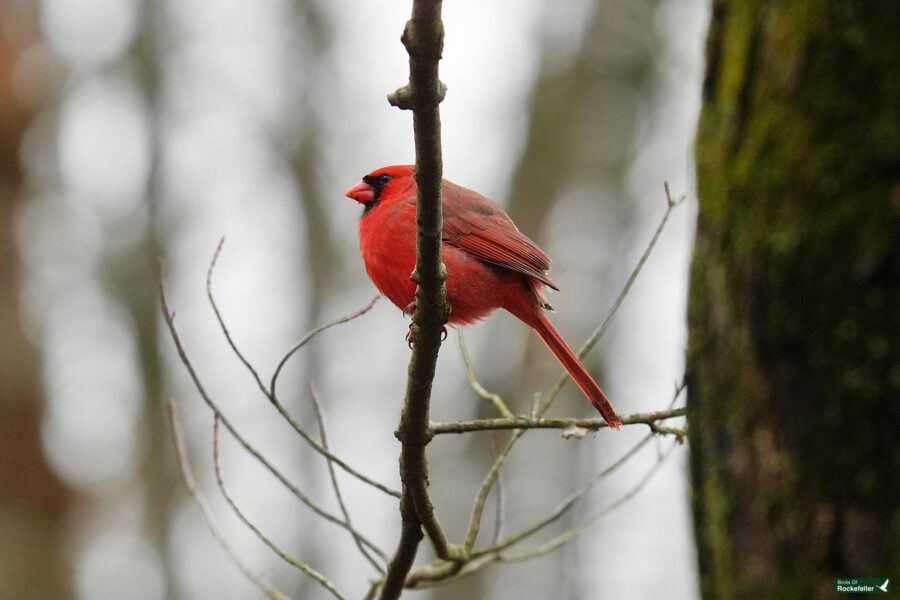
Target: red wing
(483,229)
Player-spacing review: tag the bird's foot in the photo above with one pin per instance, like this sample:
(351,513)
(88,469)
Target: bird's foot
(411,334)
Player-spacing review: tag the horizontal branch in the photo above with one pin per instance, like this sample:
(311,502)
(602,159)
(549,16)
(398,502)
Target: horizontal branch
(524,422)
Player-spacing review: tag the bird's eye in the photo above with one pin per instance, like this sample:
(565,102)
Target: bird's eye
(384,178)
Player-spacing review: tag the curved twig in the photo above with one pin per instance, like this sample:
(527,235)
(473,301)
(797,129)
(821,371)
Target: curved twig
(298,564)
(169,318)
(269,392)
(317,406)
(187,475)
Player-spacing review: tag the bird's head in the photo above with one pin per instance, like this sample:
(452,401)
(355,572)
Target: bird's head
(381,183)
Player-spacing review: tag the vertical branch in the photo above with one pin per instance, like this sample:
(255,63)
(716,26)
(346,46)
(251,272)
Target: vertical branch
(423,38)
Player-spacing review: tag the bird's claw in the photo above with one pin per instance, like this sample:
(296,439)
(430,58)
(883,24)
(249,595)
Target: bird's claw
(411,335)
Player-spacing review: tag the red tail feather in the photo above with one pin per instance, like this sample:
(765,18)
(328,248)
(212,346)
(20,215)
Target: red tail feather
(576,370)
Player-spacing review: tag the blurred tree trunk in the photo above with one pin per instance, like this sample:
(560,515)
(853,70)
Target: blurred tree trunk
(583,122)
(33,502)
(304,152)
(794,353)
(132,277)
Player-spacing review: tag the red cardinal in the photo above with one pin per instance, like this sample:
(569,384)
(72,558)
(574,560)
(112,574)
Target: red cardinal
(490,263)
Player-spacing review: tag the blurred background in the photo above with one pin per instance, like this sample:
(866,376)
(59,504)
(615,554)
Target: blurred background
(138,130)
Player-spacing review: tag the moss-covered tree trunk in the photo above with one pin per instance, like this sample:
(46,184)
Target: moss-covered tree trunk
(794,353)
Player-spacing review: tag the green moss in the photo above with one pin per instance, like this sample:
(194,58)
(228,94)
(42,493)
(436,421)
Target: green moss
(795,287)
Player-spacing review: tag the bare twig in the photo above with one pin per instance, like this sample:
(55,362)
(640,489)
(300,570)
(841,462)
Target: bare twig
(317,406)
(567,503)
(485,489)
(373,590)
(269,392)
(590,424)
(680,433)
(442,572)
(187,475)
(438,573)
(169,318)
(517,425)
(298,564)
(212,301)
(494,399)
(282,410)
(309,336)
(498,497)
(604,325)
(424,40)
(537,412)
(571,534)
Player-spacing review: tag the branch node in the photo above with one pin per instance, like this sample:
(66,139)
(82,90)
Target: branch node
(401,98)
(408,37)
(431,52)
(573,431)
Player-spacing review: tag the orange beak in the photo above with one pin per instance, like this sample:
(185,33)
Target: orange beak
(362,192)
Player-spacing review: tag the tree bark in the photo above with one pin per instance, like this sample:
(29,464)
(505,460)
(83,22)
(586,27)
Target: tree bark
(794,316)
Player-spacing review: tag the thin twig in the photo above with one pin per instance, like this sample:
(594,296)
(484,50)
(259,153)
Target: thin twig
(222,326)
(269,392)
(373,590)
(273,398)
(317,406)
(498,497)
(494,399)
(298,564)
(491,476)
(443,572)
(567,503)
(565,423)
(571,534)
(680,433)
(437,573)
(169,318)
(604,325)
(313,333)
(187,475)
(485,489)
(497,402)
